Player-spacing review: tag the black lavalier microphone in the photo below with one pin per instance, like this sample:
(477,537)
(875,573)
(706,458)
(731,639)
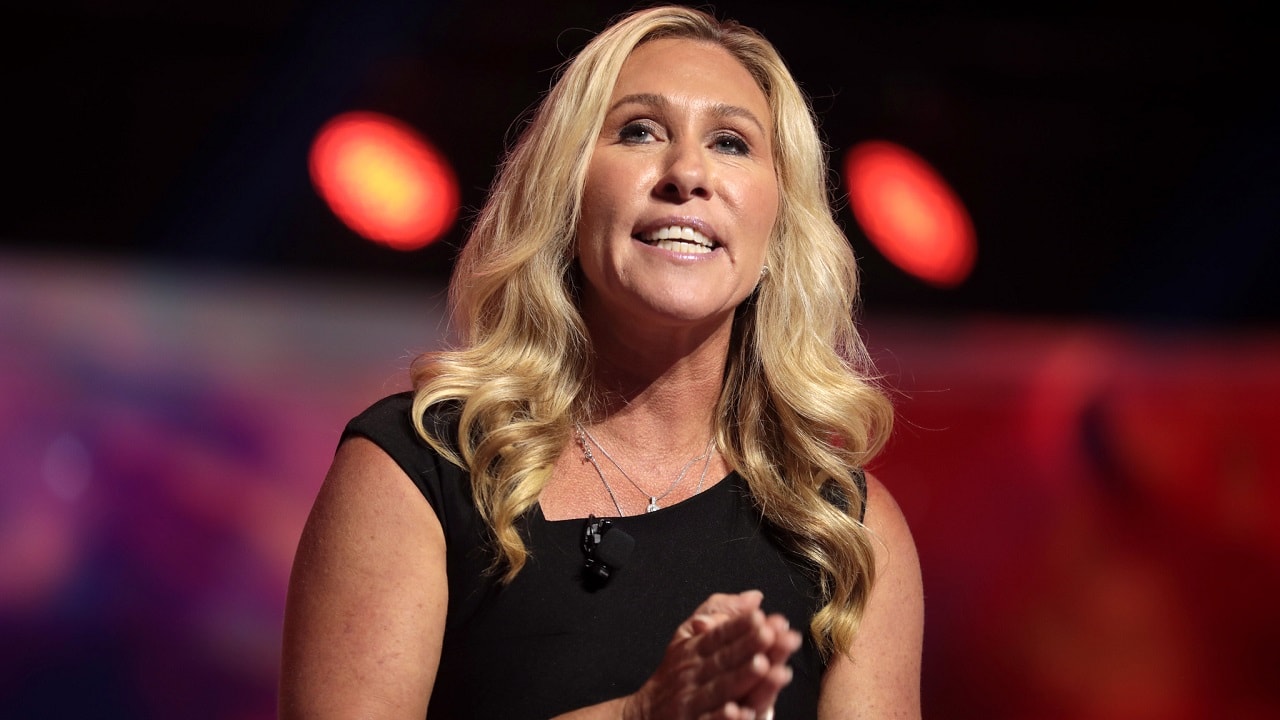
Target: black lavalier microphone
(606,547)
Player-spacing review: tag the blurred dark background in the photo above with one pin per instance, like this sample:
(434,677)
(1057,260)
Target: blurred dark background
(1088,442)
(1121,161)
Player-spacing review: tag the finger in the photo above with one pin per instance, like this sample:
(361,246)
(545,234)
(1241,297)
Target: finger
(764,694)
(735,683)
(731,604)
(734,643)
(718,665)
(702,624)
(724,631)
(730,711)
(718,608)
(705,622)
(786,641)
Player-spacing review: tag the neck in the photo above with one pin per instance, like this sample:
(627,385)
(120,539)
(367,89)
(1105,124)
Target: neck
(658,390)
(631,382)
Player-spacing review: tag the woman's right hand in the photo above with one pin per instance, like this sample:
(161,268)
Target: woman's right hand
(728,661)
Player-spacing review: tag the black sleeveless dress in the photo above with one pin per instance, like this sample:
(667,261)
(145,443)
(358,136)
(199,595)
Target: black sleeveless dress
(552,641)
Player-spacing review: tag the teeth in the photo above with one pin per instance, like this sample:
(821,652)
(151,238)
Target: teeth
(677,237)
(681,246)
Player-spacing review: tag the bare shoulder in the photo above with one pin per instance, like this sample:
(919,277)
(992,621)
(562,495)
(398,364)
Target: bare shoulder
(897,564)
(367,597)
(879,676)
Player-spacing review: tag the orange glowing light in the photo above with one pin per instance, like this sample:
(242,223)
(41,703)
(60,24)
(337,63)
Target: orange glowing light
(910,213)
(382,179)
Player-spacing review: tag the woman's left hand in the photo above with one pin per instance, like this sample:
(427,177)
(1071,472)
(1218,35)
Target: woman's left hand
(759,700)
(728,661)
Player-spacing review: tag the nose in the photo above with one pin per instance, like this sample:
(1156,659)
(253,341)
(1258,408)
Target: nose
(687,174)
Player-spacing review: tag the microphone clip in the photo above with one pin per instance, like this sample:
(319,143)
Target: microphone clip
(592,536)
(604,555)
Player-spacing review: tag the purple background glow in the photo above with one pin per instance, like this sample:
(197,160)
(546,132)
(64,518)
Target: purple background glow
(1088,446)
(1094,505)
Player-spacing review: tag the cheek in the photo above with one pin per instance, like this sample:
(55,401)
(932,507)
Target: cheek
(599,200)
(756,196)
(763,207)
(769,204)
(591,213)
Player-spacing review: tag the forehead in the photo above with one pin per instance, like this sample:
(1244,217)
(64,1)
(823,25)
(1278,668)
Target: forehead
(691,71)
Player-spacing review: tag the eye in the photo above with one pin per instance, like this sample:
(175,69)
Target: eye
(637,132)
(731,144)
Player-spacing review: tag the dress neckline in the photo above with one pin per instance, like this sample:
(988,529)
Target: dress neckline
(729,481)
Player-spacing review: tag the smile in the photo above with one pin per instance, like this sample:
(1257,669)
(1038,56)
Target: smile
(678,238)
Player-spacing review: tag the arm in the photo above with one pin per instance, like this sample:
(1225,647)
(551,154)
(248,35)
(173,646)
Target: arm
(879,677)
(365,616)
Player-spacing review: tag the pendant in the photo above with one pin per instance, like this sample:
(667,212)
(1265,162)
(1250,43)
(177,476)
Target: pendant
(653,505)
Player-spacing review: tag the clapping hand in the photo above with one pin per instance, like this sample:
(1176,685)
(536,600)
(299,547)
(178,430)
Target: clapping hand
(728,661)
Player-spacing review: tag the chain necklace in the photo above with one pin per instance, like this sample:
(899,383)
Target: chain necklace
(584,437)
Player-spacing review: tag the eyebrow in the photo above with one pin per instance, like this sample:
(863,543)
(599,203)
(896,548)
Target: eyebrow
(720,110)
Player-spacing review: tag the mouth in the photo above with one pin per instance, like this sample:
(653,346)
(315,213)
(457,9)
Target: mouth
(678,238)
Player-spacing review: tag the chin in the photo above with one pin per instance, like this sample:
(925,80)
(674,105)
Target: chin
(694,311)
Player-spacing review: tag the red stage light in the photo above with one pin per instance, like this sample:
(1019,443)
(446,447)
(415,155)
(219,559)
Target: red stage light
(910,213)
(382,179)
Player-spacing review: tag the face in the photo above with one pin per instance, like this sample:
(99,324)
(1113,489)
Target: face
(681,193)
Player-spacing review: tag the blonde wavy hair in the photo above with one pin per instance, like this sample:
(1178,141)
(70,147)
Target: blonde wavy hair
(799,409)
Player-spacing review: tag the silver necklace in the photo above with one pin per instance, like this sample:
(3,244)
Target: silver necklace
(584,437)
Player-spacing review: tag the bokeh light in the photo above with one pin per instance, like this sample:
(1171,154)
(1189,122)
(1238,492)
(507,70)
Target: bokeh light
(384,180)
(910,213)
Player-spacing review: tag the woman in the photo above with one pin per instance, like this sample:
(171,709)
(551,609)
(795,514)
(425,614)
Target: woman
(655,307)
